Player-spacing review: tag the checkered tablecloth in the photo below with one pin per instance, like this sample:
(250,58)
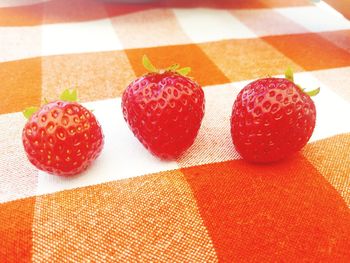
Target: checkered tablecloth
(209,205)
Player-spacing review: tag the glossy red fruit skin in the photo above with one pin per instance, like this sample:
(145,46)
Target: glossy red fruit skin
(271,119)
(164,111)
(62,138)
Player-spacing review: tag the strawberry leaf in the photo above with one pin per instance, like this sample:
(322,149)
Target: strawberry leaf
(68,95)
(289,74)
(312,93)
(148,65)
(184,71)
(28,112)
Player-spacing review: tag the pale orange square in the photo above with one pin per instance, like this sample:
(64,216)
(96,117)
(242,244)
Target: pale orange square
(204,71)
(247,58)
(284,3)
(65,11)
(267,22)
(342,6)
(20,84)
(152,218)
(96,76)
(28,15)
(224,4)
(149,28)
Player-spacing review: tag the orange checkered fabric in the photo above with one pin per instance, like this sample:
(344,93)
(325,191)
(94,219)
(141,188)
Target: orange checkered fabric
(208,205)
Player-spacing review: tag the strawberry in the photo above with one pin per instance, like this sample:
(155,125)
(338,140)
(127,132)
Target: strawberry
(62,137)
(164,109)
(272,118)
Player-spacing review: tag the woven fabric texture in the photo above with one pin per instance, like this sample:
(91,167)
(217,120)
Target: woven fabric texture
(209,205)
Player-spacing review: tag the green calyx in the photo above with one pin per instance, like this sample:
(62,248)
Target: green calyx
(173,68)
(28,112)
(290,76)
(67,95)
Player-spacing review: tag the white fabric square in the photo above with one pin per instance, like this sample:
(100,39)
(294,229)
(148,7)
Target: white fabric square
(82,37)
(13,3)
(315,19)
(19,43)
(332,111)
(214,143)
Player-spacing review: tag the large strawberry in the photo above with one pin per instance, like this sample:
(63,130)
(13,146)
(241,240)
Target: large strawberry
(62,137)
(164,110)
(272,118)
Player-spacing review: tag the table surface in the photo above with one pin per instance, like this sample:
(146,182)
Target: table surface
(208,205)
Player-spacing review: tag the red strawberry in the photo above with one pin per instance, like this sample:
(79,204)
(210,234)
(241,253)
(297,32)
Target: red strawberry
(164,110)
(271,119)
(62,137)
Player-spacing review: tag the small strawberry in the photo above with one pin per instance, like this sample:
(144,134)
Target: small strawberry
(62,137)
(164,110)
(272,118)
